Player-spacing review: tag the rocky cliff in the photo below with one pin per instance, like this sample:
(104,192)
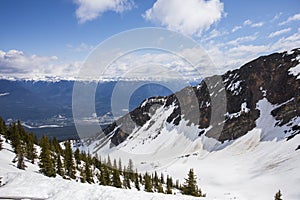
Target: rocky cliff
(225,107)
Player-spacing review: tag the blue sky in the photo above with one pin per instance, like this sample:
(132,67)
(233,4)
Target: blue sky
(54,37)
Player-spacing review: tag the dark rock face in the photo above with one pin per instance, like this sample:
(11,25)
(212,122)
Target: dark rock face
(265,77)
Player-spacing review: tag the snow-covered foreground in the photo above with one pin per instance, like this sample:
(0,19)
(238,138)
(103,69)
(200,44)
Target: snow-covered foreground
(30,184)
(254,166)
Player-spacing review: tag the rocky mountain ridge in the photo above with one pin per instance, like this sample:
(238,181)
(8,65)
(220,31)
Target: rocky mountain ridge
(224,107)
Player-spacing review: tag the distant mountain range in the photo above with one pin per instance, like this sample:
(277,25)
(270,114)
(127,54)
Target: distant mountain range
(46,107)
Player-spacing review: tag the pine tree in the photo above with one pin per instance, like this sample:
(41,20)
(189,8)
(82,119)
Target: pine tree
(106,175)
(190,186)
(46,163)
(69,164)
(56,146)
(108,162)
(169,185)
(1,143)
(116,181)
(77,157)
(2,131)
(130,166)
(155,180)
(101,177)
(177,184)
(20,155)
(160,188)
(59,166)
(126,180)
(148,185)
(120,165)
(88,172)
(115,164)
(2,127)
(278,195)
(82,175)
(30,149)
(136,181)
(141,179)
(97,163)
(14,137)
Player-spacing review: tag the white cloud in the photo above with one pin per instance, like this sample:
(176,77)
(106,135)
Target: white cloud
(280,32)
(295,17)
(144,65)
(287,43)
(236,28)
(240,40)
(259,24)
(247,22)
(15,63)
(188,17)
(228,57)
(213,34)
(82,47)
(91,9)
(277,16)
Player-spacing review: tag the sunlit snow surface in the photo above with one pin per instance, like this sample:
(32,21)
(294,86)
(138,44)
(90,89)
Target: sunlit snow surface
(254,166)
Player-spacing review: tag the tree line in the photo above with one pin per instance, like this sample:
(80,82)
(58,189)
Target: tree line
(54,160)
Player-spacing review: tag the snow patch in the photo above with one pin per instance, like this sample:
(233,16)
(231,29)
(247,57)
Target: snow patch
(4,94)
(295,71)
(244,109)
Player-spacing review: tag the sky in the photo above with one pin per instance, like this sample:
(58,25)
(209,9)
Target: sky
(44,39)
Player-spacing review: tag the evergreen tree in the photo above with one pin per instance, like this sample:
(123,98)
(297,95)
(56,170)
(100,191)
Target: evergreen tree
(190,186)
(69,164)
(160,188)
(101,177)
(130,166)
(155,180)
(115,164)
(46,163)
(278,195)
(20,155)
(59,166)
(120,165)
(162,178)
(14,137)
(116,181)
(77,157)
(177,184)
(56,146)
(148,185)
(141,179)
(30,149)
(22,133)
(108,162)
(88,172)
(97,163)
(136,181)
(82,175)
(169,185)
(1,143)
(3,131)
(126,180)
(106,175)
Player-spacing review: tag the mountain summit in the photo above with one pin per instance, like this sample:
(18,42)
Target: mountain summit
(239,130)
(227,105)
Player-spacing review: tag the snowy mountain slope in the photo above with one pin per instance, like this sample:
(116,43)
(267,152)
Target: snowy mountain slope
(255,153)
(30,184)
